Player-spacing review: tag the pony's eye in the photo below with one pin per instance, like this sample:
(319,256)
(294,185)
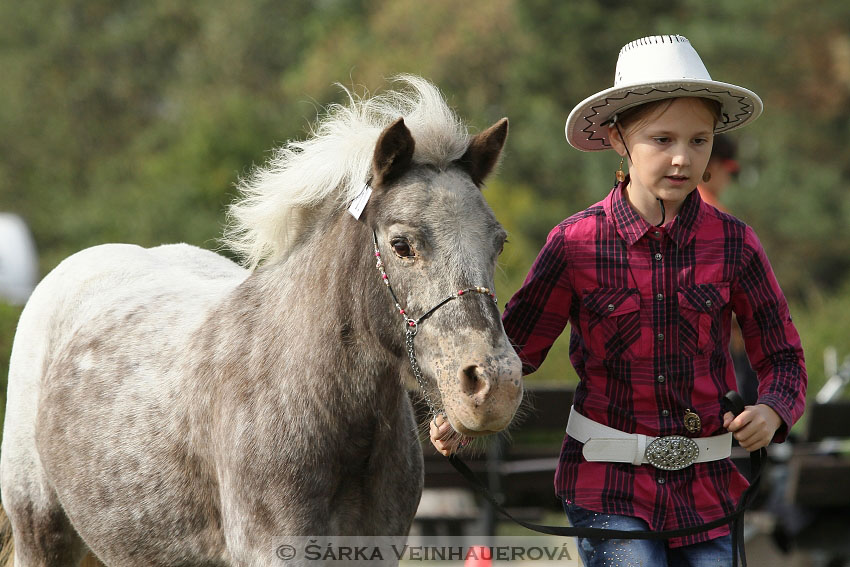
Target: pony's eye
(402,248)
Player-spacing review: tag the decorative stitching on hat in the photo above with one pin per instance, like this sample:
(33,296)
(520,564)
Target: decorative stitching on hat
(746,109)
(654,39)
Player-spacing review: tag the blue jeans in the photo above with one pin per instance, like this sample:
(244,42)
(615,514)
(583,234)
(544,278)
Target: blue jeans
(642,552)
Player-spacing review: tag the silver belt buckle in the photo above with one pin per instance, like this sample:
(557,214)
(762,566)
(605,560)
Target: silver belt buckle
(672,453)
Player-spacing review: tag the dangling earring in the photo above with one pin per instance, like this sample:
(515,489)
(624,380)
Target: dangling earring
(619,174)
(706,176)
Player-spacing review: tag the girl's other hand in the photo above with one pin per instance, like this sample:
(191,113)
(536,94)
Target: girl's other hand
(754,427)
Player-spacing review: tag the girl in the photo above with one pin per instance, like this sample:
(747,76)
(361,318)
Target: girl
(649,279)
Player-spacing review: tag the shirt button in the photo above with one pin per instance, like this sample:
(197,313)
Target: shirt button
(660,297)
(660,379)
(659,480)
(611,307)
(665,413)
(658,255)
(660,336)
(708,303)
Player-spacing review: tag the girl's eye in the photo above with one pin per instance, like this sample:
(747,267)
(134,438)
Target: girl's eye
(661,139)
(700,141)
(402,248)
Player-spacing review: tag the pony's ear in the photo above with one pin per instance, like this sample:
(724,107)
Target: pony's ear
(483,152)
(393,153)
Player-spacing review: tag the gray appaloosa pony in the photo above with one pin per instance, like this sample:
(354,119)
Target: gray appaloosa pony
(169,407)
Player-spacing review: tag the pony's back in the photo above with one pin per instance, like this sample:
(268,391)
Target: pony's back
(93,286)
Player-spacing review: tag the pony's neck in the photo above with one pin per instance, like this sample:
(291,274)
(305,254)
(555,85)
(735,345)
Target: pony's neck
(310,344)
(329,288)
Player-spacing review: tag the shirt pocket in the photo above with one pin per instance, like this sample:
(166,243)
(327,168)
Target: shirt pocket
(700,317)
(611,325)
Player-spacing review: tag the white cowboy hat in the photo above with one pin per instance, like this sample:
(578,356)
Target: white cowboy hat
(655,68)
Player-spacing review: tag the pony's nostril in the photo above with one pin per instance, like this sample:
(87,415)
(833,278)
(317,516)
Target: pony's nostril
(471,380)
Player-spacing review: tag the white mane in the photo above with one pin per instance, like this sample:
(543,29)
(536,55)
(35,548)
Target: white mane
(276,200)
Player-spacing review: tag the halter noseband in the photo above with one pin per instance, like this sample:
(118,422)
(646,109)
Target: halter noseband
(412,325)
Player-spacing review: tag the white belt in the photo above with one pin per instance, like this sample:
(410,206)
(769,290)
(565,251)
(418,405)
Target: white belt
(673,452)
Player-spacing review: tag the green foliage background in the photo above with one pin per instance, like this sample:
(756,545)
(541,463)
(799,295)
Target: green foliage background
(130,121)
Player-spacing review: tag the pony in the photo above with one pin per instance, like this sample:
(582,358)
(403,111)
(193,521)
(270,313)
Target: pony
(167,406)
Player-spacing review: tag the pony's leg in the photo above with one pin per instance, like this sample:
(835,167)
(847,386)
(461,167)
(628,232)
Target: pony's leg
(258,518)
(386,502)
(42,534)
(253,543)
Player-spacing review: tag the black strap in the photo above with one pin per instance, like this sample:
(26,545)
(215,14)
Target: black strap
(736,518)
(433,309)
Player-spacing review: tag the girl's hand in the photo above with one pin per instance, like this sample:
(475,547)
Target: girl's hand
(754,427)
(444,438)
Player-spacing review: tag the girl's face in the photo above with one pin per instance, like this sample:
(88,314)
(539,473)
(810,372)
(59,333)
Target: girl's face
(669,150)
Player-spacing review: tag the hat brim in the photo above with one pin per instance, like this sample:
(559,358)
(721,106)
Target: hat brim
(586,127)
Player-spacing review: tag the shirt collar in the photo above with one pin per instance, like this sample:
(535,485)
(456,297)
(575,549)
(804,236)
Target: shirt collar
(632,227)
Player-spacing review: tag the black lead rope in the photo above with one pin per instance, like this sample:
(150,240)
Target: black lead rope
(663,212)
(731,402)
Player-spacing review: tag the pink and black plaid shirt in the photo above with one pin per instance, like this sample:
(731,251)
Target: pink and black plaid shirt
(650,311)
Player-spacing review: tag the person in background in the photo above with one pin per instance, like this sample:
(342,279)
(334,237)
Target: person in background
(18,260)
(722,168)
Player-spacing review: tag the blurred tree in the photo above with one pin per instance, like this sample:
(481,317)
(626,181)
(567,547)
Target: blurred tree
(126,121)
